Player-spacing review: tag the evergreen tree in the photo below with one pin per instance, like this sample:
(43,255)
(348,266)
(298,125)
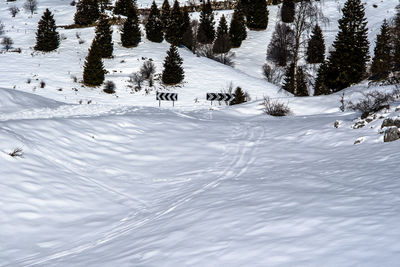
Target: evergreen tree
(222,43)
(280,49)
(381,63)
(130,33)
(287,11)
(175,28)
(47,38)
(347,63)
(244,6)
(104,4)
(206,31)
(165,14)
(104,37)
(301,81)
(173,71)
(316,46)
(257,17)
(396,40)
(93,72)
(154,27)
(87,12)
(320,87)
(187,39)
(122,7)
(240,97)
(237,30)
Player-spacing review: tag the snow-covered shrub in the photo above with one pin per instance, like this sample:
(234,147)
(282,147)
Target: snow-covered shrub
(13,11)
(272,74)
(109,87)
(373,102)
(137,79)
(148,69)
(7,43)
(17,152)
(275,108)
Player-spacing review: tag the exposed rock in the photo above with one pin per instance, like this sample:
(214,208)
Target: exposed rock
(336,124)
(389,122)
(359,124)
(391,134)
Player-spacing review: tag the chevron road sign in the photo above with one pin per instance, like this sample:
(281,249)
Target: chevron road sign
(166,97)
(220,97)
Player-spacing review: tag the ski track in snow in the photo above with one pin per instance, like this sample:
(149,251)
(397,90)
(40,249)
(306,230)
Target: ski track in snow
(243,157)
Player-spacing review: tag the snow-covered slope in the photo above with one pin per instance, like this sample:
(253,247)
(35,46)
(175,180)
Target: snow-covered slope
(121,182)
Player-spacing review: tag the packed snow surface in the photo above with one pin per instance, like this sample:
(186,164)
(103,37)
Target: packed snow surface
(114,180)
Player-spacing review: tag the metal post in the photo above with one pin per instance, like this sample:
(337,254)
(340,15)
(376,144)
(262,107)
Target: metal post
(159,103)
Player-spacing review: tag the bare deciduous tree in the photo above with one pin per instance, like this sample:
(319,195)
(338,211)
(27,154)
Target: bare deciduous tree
(7,43)
(31,5)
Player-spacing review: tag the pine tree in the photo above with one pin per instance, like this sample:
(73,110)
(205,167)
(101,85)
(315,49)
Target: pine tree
(87,12)
(381,63)
(130,33)
(104,4)
(316,46)
(175,28)
(257,18)
(173,72)
(122,7)
(240,97)
(206,31)
(93,72)
(187,39)
(47,38)
(347,63)
(396,40)
(301,81)
(244,6)
(154,27)
(287,11)
(165,14)
(320,87)
(237,30)
(222,43)
(104,37)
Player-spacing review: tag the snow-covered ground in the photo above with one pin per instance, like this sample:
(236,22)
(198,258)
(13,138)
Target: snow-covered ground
(121,182)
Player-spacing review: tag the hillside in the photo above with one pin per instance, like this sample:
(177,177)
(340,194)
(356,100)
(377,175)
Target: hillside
(114,180)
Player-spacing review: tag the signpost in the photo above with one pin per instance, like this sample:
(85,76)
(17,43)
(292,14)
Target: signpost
(166,97)
(220,97)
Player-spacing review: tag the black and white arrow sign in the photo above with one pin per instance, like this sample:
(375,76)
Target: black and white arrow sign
(220,97)
(166,97)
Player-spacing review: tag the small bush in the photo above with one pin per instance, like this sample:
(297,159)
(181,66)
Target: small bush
(272,74)
(7,43)
(148,69)
(275,108)
(17,152)
(13,11)
(137,79)
(42,84)
(28,81)
(73,3)
(374,101)
(109,87)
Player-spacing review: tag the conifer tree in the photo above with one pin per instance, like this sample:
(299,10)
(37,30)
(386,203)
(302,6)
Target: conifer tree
(173,72)
(347,63)
(87,12)
(240,96)
(104,37)
(130,33)
(320,87)
(47,38)
(175,28)
(165,14)
(316,46)
(396,40)
(244,6)
(222,43)
(381,63)
(122,7)
(206,30)
(237,29)
(187,39)
(154,27)
(104,4)
(288,85)
(257,17)
(93,72)
(288,11)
